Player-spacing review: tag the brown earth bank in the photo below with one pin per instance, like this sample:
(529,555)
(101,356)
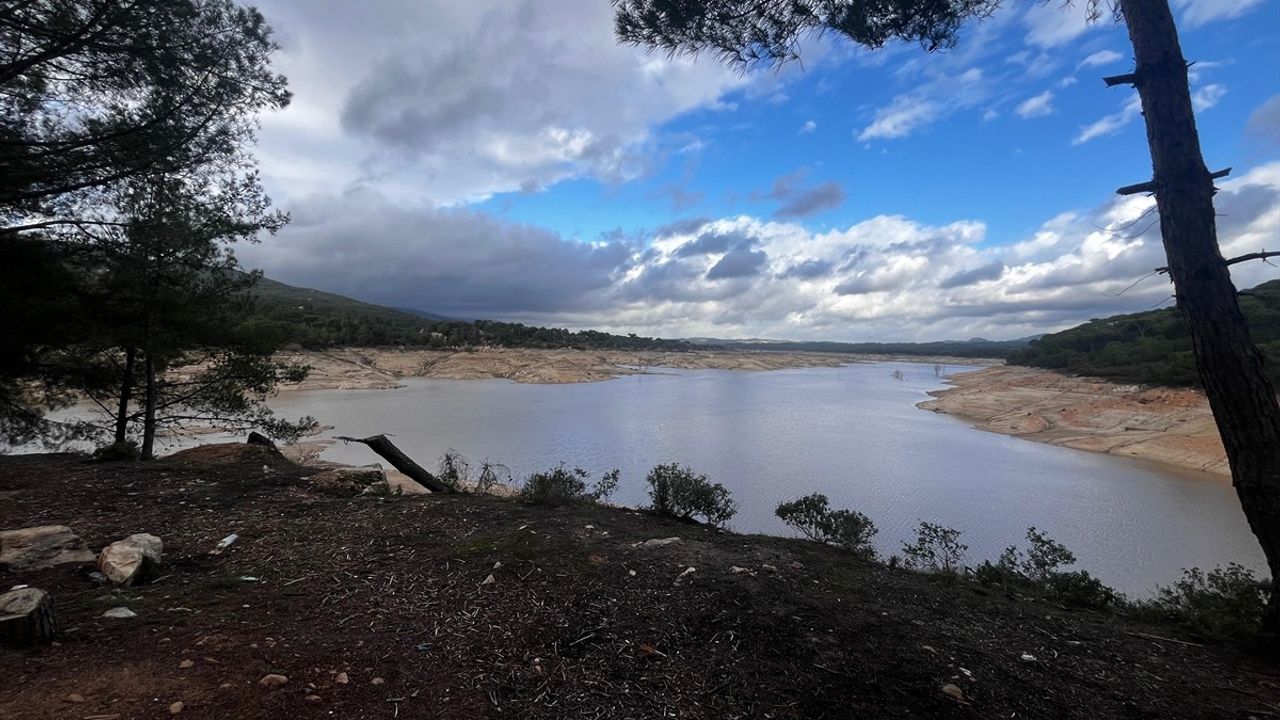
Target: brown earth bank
(468,606)
(1173,426)
(374,368)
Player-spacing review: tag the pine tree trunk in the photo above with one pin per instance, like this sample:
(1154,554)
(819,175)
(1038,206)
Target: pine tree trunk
(1230,367)
(149,411)
(126,394)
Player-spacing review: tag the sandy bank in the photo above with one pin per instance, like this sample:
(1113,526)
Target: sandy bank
(374,368)
(1166,425)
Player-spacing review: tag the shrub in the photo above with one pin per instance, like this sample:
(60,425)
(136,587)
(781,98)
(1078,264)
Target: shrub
(117,452)
(1223,603)
(1039,570)
(454,469)
(564,486)
(936,548)
(675,491)
(492,475)
(848,529)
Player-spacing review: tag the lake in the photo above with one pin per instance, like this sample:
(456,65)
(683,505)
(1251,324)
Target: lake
(852,433)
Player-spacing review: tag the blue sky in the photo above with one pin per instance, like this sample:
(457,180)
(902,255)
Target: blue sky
(508,160)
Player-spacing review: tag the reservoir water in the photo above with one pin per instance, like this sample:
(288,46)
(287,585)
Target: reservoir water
(852,433)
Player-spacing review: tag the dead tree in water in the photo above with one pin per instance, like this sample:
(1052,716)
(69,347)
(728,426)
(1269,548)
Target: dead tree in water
(405,464)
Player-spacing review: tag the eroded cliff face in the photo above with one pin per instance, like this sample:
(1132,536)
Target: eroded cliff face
(1166,425)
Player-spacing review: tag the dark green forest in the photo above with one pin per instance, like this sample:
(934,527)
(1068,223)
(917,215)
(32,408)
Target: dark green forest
(314,319)
(1151,348)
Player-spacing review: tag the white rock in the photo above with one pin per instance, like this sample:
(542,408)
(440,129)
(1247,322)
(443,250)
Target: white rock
(661,542)
(128,560)
(121,613)
(1028,658)
(37,548)
(687,572)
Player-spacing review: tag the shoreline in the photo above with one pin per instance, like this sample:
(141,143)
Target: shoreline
(1168,426)
(357,368)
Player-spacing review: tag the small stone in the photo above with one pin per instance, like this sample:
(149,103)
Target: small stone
(660,542)
(122,613)
(185,664)
(126,561)
(75,698)
(313,699)
(797,566)
(954,692)
(631,573)
(489,580)
(273,680)
(1028,658)
(929,648)
(342,679)
(177,708)
(687,572)
(377,681)
(769,568)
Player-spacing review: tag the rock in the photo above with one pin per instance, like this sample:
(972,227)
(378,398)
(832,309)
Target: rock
(273,681)
(381,487)
(342,679)
(660,542)
(346,482)
(177,708)
(769,568)
(741,571)
(489,580)
(405,485)
(313,699)
(120,613)
(225,543)
(124,562)
(377,681)
(1028,658)
(37,548)
(954,692)
(681,577)
(186,664)
(797,566)
(257,438)
(75,698)
(26,617)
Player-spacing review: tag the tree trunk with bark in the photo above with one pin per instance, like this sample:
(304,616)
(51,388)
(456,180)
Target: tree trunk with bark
(126,395)
(1230,367)
(149,410)
(405,464)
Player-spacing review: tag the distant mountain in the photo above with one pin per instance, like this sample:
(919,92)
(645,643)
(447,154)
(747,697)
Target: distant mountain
(425,314)
(1151,348)
(317,319)
(976,348)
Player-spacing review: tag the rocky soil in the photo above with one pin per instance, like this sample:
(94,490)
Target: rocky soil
(464,606)
(1167,425)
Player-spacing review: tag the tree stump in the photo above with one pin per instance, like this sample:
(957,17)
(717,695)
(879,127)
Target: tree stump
(26,617)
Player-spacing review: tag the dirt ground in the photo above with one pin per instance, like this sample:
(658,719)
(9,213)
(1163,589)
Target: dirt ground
(392,596)
(1167,425)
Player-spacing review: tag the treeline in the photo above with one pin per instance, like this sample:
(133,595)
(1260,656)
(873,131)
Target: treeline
(1150,348)
(314,319)
(954,348)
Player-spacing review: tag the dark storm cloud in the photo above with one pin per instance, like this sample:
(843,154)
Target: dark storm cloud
(795,200)
(965,278)
(737,264)
(713,243)
(452,262)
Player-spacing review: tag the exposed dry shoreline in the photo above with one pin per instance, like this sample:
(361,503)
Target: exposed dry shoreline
(1167,425)
(379,368)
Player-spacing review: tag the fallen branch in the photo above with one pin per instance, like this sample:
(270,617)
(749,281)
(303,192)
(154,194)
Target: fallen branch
(1159,638)
(405,464)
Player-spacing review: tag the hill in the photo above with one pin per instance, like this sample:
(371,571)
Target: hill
(315,319)
(975,348)
(1151,348)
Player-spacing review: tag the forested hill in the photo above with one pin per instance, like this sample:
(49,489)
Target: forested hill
(1151,348)
(316,319)
(974,348)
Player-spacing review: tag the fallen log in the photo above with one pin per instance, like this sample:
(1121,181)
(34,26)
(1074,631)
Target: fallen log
(405,464)
(26,617)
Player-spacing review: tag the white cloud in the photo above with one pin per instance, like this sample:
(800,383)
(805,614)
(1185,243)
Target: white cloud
(808,127)
(1051,24)
(1037,106)
(1207,96)
(453,102)
(884,278)
(1110,123)
(1200,12)
(925,105)
(1100,58)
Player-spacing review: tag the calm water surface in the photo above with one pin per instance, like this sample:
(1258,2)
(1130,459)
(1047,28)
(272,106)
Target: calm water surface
(852,433)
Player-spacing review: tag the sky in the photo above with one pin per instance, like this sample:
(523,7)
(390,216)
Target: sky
(507,159)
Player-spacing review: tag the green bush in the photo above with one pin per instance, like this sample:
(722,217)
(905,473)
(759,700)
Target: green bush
(1039,571)
(565,486)
(1223,603)
(813,516)
(676,491)
(936,548)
